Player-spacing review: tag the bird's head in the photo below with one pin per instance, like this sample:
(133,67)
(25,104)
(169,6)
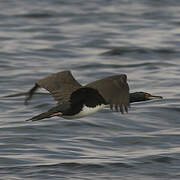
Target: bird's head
(142,96)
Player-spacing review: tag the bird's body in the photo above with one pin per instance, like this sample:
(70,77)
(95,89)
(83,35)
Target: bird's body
(83,102)
(85,111)
(76,101)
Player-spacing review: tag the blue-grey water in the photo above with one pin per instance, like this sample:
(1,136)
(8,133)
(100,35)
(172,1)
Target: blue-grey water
(93,39)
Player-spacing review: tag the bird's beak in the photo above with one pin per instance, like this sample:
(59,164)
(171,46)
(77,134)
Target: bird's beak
(154,97)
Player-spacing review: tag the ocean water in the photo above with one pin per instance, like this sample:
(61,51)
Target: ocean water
(93,39)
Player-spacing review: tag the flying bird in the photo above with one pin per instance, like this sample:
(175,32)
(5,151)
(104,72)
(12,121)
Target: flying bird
(76,101)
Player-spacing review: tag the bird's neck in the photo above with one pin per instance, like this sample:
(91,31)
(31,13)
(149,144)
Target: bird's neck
(134,97)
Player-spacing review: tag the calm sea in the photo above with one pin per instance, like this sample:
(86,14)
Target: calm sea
(93,39)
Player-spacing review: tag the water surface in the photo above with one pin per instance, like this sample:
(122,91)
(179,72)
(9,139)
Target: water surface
(93,39)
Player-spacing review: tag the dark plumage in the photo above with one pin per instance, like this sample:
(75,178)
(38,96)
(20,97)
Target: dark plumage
(113,91)
(61,85)
(76,101)
(83,96)
(142,96)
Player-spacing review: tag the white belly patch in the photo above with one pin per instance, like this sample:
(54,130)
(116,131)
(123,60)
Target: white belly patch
(85,111)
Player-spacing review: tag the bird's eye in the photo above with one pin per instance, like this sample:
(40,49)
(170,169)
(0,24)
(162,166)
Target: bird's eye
(147,95)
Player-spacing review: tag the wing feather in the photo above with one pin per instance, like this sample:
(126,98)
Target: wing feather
(115,91)
(60,85)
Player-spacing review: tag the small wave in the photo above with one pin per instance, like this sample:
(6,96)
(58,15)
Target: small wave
(69,165)
(125,50)
(160,159)
(37,15)
(128,65)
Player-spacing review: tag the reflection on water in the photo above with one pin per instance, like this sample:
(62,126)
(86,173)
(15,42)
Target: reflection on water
(94,40)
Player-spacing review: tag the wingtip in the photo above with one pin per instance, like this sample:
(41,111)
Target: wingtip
(30,93)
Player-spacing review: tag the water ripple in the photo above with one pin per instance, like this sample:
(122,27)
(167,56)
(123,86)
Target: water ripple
(94,39)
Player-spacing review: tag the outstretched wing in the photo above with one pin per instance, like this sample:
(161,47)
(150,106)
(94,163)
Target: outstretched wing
(114,90)
(60,85)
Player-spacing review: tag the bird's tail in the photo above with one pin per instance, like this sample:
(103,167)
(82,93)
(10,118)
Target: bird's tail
(44,116)
(55,111)
(40,116)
